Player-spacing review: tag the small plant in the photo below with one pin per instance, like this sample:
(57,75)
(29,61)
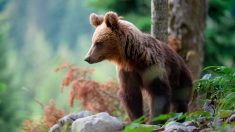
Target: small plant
(218,85)
(217,88)
(93,96)
(50,116)
(137,126)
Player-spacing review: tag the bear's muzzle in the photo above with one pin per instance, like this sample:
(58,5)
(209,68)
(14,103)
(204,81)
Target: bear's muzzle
(88,59)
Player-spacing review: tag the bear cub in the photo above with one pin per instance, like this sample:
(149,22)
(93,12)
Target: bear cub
(143,63)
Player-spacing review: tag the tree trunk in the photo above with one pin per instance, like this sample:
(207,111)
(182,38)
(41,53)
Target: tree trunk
(159,19)
(186,25)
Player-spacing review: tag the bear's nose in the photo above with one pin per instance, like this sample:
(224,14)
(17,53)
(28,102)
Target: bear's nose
(87,59)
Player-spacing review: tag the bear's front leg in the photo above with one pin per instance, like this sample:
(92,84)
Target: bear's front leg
(130,93)
(160,94)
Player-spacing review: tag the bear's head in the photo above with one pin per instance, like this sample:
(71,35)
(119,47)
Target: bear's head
(106,43)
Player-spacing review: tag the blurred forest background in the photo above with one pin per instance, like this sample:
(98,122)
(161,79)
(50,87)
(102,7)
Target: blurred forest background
(38,35)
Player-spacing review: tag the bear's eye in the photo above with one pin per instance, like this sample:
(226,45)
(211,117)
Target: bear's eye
(98,45)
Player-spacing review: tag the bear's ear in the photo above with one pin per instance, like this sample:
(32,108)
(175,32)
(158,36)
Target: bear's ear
(96,20)
(111,20)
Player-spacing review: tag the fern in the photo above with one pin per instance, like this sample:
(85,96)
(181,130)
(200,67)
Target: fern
(218,84)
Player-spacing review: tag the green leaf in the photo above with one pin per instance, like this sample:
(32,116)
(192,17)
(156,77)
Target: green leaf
(134,127)
(178,116)
(224,113)
(161,117)
(139,120)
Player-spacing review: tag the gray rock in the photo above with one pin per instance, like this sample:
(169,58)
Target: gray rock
(68,119)
(217,122)
(189,123)
(173,123)
(55,128)
(101,122)
(206,130)
(209,106)
(231,118)
(178,127)
(175,127)
(233,129)
(201,120)
(191,128)
(73,116)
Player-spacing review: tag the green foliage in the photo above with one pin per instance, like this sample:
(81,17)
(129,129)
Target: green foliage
(198,114)
(61,21)
(170,117)
(9,116)
(218,85)
(136,126)
(219,35)
(142,22)
(140,7)
(136,11)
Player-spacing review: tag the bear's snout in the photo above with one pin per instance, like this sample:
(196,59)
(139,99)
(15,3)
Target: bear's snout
(88,59)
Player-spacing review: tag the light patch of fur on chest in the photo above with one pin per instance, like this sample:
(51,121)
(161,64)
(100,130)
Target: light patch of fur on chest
(152,73)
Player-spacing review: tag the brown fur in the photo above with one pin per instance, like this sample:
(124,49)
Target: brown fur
(142,63)
(96,20)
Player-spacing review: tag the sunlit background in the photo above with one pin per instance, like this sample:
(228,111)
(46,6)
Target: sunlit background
(36,36)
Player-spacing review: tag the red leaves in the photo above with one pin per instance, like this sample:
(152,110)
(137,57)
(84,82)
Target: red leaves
(92,95)
(51,114)
(50,117)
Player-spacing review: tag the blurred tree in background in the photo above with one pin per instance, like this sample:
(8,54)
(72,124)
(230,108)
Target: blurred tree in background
(10,117)
(220,34)
(187,22)
(60,21)
(7,105)
(219,44)
(39,35)
(136,11)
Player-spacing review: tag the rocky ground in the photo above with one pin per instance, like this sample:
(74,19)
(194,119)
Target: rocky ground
(103,122)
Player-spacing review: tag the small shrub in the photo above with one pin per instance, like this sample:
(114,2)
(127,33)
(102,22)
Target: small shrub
(50,116)
(217,85)
(93,96)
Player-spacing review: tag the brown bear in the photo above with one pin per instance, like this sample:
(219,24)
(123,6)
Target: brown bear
(143,63)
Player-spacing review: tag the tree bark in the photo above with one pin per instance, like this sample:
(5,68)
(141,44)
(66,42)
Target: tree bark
(159,19)
(186,25)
